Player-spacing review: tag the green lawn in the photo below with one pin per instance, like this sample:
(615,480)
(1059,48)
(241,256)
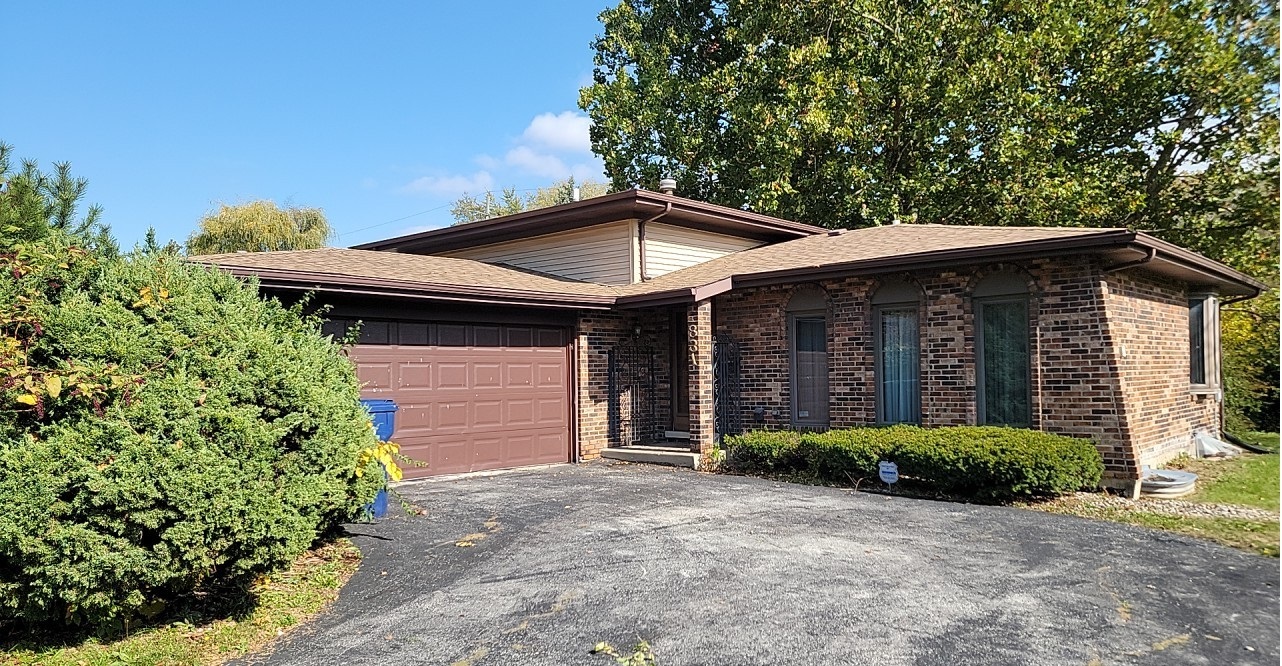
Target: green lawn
(1255,536)
(1251,479)
(284,601)
(1268,440)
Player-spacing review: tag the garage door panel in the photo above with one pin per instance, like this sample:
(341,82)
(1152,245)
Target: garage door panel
(467,403)
(487,375)
(550,375)
(414,375)
(375,375)
(451,374)
(520,413)
(551,411)
(487,414)
(520,374)
(487,452)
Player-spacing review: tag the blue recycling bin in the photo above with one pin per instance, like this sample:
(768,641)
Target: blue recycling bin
(383,414)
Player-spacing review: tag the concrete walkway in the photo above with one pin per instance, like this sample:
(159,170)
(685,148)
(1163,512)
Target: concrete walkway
(537,567)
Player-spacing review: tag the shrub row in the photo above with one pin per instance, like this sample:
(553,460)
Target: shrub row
(984,462)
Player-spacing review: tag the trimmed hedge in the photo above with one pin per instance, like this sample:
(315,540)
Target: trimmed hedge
(975,461)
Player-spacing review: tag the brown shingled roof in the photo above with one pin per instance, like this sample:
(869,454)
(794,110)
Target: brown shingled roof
(411,275)
(863,251)
(902,243)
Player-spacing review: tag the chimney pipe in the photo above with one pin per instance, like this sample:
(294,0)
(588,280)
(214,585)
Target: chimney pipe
(575,193)
(668,186)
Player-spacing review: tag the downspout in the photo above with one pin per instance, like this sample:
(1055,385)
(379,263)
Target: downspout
(667,208)
(1224,428)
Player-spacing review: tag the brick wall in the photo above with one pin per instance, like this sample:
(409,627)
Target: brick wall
(1149,318)
(1137,409)
(702,422)
(598,332)
(1110,357)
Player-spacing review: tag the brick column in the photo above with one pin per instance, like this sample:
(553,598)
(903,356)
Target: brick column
(702,419)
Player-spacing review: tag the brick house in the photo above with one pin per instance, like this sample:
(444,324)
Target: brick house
(642,322)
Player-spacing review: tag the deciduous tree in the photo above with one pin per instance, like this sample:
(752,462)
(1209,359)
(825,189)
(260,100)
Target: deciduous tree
(260,226)
(1156,115)
(468,208)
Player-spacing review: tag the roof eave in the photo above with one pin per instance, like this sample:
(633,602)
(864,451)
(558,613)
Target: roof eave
(628,204)
(324,282)
(1087,243)
(1220,274)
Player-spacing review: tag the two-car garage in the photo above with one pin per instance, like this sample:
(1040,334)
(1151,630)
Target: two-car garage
(471,396)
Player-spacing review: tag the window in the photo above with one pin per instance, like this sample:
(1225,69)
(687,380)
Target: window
(1204,341)
(1002,351)
(897,344)
(808,341)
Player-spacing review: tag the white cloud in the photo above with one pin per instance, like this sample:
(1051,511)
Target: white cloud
(537,163)
(451,186)
(568,131)
(487,162)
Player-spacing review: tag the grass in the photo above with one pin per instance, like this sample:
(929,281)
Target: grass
(284,601)
(1268,440)
(1250,479)
(1254,536)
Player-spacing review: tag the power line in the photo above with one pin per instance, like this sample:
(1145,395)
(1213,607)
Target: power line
(423,212)
(399,219)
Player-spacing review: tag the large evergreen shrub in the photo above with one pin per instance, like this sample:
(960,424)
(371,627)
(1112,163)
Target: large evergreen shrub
(163,431)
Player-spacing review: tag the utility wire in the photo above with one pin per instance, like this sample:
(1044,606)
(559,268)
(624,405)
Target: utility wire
(421,212)
(399,219)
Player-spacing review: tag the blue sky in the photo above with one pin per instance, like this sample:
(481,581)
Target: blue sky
(371,111)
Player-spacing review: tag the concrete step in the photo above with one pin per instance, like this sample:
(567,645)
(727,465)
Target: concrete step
(654,455)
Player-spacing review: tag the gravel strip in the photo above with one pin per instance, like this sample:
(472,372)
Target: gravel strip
(1175,507)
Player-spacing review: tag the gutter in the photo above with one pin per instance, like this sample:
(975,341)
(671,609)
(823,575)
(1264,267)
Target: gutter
(918,261)
(342,284)
(1150,253)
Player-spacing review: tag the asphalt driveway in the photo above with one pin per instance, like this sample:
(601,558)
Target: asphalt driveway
(537,567)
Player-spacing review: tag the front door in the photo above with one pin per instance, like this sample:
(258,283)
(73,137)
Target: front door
(809,371)
(679,357)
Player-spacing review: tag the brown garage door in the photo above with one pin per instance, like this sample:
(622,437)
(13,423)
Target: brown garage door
(472,397)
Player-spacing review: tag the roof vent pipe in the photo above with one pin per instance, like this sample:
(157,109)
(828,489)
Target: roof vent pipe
(668,186)
(575,193)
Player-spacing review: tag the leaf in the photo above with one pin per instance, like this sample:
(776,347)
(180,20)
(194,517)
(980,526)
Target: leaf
(53,384)
(28,399)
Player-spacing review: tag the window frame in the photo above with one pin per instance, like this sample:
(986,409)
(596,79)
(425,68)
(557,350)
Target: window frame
(878,370)
(794,317)
(981,403)
(1210,359)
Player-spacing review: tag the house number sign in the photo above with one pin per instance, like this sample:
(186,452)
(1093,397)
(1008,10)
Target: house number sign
(888,472)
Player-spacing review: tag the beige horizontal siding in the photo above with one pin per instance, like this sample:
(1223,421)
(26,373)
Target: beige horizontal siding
(601,253)
(669,248)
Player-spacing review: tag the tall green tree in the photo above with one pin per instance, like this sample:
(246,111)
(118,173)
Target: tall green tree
(260,226)
(34,204)
(468,208)
(1160,115)
(858,112)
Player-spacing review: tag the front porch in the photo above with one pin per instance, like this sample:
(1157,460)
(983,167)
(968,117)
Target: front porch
(671,387)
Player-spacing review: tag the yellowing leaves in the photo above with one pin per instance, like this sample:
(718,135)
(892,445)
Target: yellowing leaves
(150,297)
(28,399)
(53,385)
(385,454)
